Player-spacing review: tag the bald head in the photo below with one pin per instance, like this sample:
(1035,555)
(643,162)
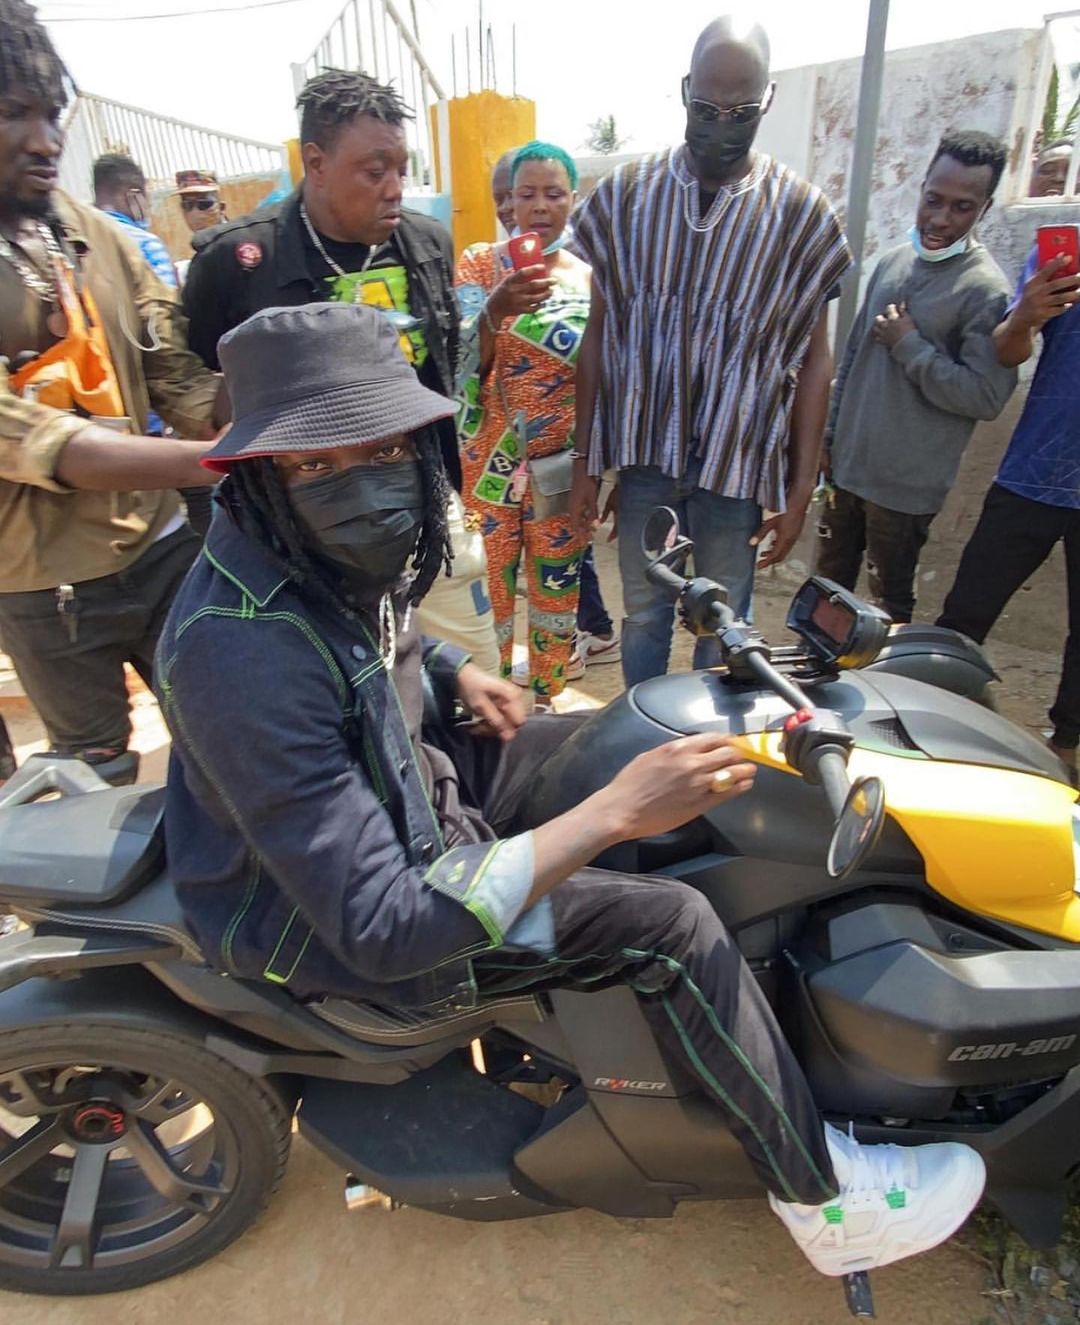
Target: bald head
(731,47)
(725,94)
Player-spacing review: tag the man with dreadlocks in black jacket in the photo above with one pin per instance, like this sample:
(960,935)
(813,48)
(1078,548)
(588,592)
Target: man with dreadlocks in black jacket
(345,237)
(320,842)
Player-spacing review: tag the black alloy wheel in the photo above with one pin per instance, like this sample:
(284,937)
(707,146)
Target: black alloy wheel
(126,1156)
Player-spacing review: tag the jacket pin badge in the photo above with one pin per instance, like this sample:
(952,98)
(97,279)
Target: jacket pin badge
(249,254)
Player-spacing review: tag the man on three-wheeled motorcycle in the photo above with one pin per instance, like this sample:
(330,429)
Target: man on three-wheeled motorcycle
(320,840)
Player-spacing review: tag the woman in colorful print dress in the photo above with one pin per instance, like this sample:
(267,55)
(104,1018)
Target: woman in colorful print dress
(521,335)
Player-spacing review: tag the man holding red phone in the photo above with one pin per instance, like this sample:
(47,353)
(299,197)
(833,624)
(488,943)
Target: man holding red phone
(1034,502)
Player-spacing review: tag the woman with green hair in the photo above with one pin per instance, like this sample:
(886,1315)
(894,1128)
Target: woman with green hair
(521,334)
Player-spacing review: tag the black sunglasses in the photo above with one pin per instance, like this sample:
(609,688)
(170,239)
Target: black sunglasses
(708,113)
(198,204)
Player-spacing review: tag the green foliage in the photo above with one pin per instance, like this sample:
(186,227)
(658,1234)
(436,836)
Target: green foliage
(1054,128)
(603,138)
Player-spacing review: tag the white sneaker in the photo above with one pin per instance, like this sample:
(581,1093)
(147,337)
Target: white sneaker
(894,1201)
(595,649)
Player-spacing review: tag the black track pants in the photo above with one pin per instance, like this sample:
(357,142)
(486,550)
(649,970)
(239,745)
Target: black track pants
(1013,538)
(663,939)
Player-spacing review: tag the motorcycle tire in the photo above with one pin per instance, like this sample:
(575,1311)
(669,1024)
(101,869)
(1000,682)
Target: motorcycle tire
(126,1156)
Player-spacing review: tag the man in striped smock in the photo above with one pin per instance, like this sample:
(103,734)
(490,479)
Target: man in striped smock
(704,372)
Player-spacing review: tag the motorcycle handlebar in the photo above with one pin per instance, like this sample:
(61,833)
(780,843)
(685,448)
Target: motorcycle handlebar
(833,775)
(829,762)
(777,682)
(664,575)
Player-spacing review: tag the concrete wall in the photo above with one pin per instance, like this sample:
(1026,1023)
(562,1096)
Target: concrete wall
(982,82)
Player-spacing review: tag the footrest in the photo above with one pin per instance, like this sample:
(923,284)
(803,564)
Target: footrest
(859,1295)
(445,1132)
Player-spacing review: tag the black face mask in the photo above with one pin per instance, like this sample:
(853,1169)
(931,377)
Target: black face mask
(716,147)
(365,520)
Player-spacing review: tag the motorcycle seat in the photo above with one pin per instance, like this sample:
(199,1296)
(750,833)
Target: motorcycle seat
(92,845)
(407,1026)
(153,911)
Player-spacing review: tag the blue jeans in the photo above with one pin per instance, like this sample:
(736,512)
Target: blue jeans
(592,615)
(721,528)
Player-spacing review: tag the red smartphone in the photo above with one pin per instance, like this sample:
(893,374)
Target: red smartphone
(1055,241)
(527,251)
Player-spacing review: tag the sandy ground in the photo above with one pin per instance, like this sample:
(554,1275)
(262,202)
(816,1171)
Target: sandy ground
(308,1260)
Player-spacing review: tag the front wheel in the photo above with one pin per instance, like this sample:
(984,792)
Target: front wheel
(126,1156)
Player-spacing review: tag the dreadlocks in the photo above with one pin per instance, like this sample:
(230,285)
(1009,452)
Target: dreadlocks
(265,513)
(336,97)
(28,59)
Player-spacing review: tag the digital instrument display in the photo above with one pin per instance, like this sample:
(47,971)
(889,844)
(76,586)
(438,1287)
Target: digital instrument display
(834,618)
(839,629)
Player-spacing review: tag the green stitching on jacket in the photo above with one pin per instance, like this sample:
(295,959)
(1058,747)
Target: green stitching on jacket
(481,870)
(361,677)
(241,912)
(267,973)
(224,570)
(371,759)
(300,955)
(480,911)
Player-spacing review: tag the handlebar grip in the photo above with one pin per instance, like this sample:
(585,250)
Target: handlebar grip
(833,775)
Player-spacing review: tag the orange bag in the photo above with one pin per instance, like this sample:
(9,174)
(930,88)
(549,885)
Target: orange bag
(76,374)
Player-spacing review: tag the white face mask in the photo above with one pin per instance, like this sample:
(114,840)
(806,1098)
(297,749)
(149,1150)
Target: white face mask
(937,254)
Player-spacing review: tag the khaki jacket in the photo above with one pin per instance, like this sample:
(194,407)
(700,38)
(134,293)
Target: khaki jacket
(50,534)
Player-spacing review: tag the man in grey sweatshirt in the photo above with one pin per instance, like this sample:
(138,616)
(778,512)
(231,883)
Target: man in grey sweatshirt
(918,371)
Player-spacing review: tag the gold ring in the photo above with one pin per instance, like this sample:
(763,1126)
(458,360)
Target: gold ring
(721,780)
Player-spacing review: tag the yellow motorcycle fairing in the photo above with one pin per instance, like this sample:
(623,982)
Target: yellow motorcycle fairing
(994,841)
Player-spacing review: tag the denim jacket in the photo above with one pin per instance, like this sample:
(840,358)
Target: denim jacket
(299,830)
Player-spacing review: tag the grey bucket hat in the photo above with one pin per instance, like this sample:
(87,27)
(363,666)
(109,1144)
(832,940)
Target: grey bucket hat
(316,377)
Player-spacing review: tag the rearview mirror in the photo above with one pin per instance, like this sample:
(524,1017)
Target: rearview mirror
(660,534)
(858,827)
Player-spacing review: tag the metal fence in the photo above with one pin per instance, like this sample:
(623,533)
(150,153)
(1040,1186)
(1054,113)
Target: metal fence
(160,145)
(1050,55)
(372,35)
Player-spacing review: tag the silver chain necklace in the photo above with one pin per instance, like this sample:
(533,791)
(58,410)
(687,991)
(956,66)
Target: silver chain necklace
(42,286)
(387,631)
(313,235)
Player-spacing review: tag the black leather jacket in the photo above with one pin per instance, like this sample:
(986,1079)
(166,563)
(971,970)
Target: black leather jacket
(259,262)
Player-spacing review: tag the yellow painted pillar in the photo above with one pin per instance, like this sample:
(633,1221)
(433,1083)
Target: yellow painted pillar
(296,163)
(479,129)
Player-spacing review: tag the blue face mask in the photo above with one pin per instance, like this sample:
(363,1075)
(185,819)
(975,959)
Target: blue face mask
(937,254)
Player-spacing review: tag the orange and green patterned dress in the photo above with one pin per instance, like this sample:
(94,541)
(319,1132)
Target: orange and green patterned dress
(520,410)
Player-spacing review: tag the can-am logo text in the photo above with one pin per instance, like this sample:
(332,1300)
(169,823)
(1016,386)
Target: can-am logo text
(978,1053)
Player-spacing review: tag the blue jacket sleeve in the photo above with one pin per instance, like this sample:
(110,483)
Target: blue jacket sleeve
(261,713)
